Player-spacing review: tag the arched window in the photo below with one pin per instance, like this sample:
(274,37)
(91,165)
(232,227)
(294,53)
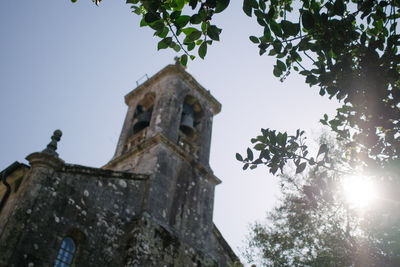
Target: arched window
(66,253)
(143,112)
(190,118)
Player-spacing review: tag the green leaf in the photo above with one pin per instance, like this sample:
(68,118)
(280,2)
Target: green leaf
(254,4)
(239,157)
(277,46)
(151,6)
(276,28)
(273,169)
(254,39)
(271,13)
(281,65)
(203,50)
(181,21)
(136,10)
(196,19)
(339,7)
(151,17)
(164,33)
(308,20)
(204,26)
(289,28)
(184,59)
(245,166)
(257,161)
(143,23)
(277,72)
(252,167)
(162,44)
(300,168)
(221,5)
(180,4)
(172,44)
(194,35)
(213,32)
(188,30)
(249,154)
(259,147)
(157,26)
(191,46)
(259,14)
(177,48)
(281,139)
(74,1)
(267,33)
(247,7)
(262,5)
(174,15)
(193,3)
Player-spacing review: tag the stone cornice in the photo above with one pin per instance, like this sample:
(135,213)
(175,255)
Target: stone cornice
(160,138)
(174,69)
(79,169)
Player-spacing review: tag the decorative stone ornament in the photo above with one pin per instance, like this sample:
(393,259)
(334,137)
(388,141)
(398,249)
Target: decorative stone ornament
(48,157)
(52,146)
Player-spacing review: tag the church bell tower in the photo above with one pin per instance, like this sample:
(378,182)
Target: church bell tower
(167,134)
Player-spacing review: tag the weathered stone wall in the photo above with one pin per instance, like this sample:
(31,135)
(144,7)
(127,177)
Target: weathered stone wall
(150,244)
(95,206)
(103,212)
(181,191)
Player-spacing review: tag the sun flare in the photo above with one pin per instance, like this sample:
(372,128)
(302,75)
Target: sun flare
(359,191)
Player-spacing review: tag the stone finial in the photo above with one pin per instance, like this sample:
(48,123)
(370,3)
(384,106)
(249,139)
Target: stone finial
(52,146)
(178,63)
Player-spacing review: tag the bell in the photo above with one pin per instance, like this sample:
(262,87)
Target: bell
(143,120)
(187,121)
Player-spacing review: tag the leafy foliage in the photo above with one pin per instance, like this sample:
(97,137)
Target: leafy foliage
(349,49)
(277,149)
(353,51)
(179,30)
(315,226)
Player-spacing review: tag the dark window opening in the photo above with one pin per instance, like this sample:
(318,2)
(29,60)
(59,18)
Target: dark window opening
(143,112)
(187,120)
(191,116)
(142,118)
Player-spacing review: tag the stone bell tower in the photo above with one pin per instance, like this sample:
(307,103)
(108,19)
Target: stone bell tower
(174,104)
(167,134)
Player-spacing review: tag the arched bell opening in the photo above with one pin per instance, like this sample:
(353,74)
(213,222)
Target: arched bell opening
(191,114)
(143,112)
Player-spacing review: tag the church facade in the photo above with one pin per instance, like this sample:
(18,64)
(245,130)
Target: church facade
(150,205)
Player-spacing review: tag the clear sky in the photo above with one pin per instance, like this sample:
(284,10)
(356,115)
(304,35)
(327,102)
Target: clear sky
(68,66)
